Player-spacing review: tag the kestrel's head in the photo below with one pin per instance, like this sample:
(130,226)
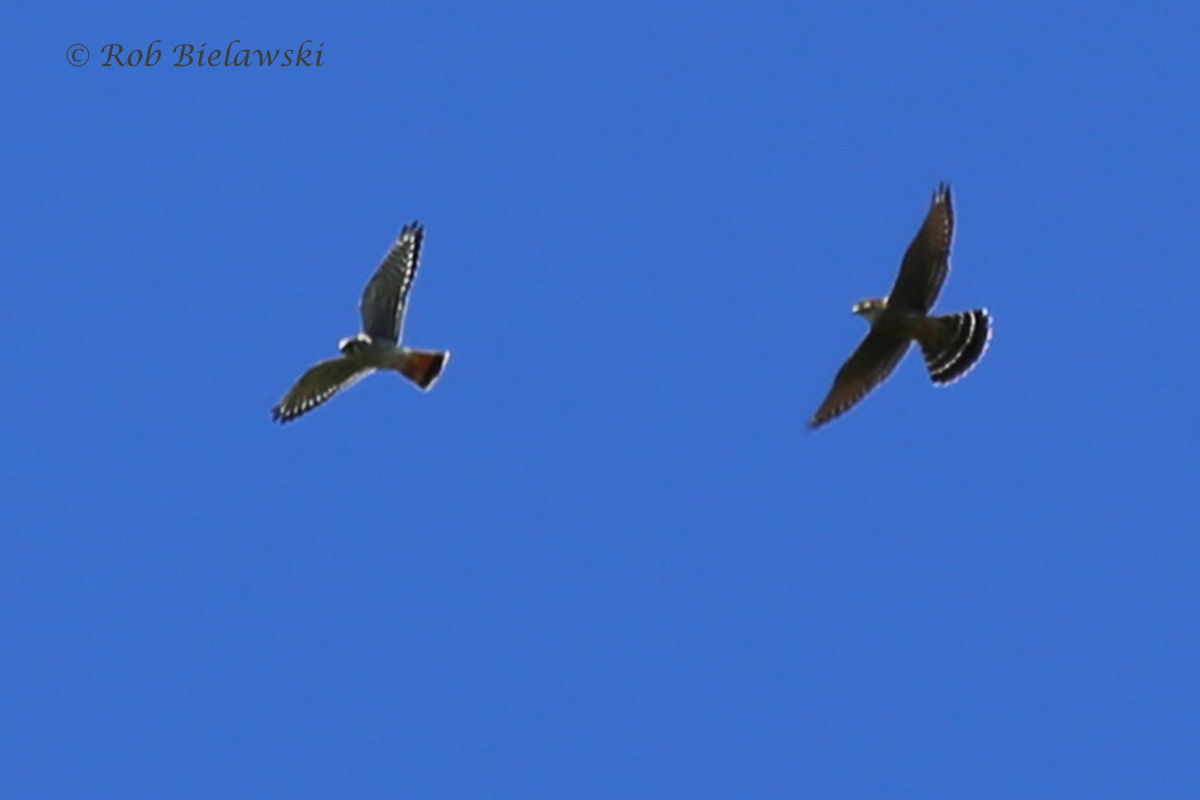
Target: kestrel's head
(354,344)
(869,309)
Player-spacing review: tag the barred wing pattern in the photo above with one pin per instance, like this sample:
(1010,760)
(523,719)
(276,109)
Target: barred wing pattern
(927,260)
(384,299)
(318,385)
(866,368)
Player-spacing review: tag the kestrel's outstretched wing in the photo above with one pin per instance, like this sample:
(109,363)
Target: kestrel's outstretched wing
(927,260)
(318,385)
(384,298)
(866,368)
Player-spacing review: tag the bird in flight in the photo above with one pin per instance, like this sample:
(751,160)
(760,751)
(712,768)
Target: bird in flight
(951,343)
(378,346)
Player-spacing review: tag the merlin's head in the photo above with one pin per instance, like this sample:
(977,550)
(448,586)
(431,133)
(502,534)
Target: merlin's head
(870,308)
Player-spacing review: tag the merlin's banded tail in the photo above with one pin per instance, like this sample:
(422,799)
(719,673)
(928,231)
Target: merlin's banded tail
(956,345)
(423,367)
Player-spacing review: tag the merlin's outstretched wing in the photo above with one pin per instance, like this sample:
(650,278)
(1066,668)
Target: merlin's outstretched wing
(384,298)
(868,367)
(318,385)
(927,260)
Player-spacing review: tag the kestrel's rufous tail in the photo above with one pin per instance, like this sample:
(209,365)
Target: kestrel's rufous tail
(423,367)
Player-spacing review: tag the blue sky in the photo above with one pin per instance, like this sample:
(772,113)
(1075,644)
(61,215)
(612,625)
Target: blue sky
(603,557)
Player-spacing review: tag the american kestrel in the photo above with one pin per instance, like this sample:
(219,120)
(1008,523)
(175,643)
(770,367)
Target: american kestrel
(952,343)
(378,346)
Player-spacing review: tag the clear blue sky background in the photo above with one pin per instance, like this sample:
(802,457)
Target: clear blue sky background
(603,558)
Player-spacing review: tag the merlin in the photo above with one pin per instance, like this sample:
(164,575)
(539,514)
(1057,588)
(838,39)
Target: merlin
(951,343)
(378,346)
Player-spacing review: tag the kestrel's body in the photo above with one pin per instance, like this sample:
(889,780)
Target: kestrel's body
(952,344)
(384,302)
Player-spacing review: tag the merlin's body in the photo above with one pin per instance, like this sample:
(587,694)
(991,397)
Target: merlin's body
(951,343)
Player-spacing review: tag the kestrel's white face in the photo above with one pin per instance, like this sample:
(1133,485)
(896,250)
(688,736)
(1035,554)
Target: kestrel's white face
(869,309)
